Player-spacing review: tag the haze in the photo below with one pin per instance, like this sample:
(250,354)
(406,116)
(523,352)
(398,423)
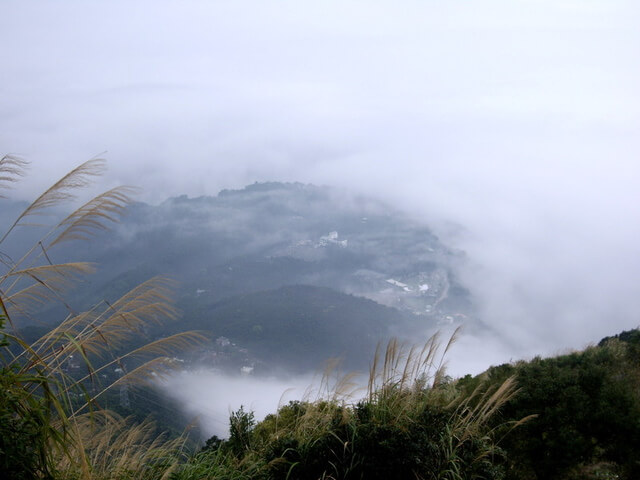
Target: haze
(509,127)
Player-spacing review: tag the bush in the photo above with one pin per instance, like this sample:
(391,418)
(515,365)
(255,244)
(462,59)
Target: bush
(412,424)
(587,408)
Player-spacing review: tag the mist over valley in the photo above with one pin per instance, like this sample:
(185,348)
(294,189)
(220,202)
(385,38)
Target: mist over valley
(281,277)
(256,198)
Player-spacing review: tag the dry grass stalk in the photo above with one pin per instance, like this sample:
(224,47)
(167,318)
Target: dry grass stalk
(35,277)
(87,220)
(96,336)
(474,412)
(12,168)
(60,191)
(116,447)
(405,368)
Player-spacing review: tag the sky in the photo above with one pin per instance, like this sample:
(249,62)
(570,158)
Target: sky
(511,127)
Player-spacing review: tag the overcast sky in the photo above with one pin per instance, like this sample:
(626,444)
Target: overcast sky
(516,120)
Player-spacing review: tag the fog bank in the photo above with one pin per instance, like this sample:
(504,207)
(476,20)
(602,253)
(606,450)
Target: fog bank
(209,396)
(509,126)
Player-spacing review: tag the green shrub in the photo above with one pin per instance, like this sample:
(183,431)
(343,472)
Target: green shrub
(412,424)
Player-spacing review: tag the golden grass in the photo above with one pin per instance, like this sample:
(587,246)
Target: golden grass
(12,168)
(99,444)
(113,447)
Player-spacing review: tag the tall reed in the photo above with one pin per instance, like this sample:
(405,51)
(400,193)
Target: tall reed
(411,421)
(54,417)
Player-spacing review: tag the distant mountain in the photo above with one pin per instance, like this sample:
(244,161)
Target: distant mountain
(238,250)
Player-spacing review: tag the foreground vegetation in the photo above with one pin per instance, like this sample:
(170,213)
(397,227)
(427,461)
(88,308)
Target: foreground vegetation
(587,407)
(571,417)
(411,424)
(52,424)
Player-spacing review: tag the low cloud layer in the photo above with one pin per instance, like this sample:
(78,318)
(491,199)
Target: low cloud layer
(510,127)
(209,396)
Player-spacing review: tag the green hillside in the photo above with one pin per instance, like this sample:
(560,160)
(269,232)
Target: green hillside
(587,407)
(299,327)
